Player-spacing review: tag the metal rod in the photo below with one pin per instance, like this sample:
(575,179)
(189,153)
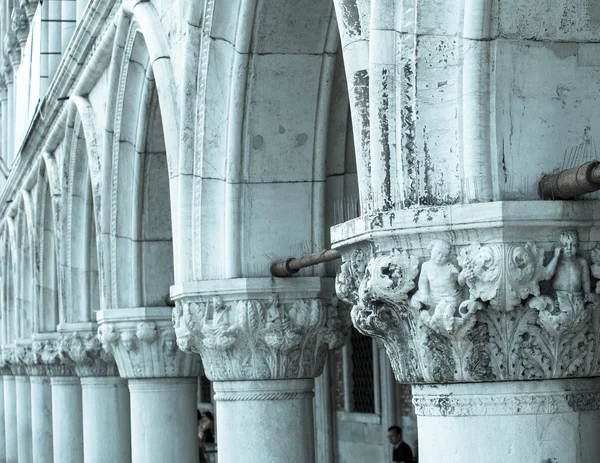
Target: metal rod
(571,183)
(287,268)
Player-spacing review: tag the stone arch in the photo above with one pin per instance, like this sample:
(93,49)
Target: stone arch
(50,311)
(79,252)
(25,295)
(10,289)
(135,209)
(262,90)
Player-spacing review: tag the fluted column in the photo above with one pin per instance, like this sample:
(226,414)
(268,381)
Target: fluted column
(162,382)
(474,303)
(262,343)
(104,397)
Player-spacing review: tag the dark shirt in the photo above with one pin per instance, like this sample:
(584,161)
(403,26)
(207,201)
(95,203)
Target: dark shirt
(403,453)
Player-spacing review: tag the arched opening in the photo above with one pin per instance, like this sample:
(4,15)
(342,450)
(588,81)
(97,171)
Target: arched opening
(49,306)
(25,297)
(82,252)
(8,293)
(142,250)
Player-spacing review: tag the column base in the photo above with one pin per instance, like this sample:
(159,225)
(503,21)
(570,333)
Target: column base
(265,421)
(546,421)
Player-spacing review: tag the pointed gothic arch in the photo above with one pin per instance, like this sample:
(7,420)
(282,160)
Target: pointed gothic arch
(136,198)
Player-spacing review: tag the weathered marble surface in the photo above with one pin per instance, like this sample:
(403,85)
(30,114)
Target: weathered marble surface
(456,302)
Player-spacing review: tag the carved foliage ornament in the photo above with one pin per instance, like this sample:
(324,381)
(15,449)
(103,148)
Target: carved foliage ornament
(260,339)
(481,313)
(146,351)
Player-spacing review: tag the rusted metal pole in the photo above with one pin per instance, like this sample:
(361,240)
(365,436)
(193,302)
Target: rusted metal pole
(571,183)
(286,268)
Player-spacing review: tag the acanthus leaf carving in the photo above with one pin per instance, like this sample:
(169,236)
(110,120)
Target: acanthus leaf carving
(85,350)
(146,349)
(260,338)
(497,312)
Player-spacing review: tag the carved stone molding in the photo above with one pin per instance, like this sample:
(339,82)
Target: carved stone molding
(480,304)
(508,399)
(144,344)
(254,330)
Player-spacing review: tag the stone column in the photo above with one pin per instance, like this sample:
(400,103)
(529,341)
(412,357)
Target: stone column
(262,342)
(106,419)
(50,353)
(494,316)
(104,397)
(10,418)
(67,419)
(162,382)
(547,421)
(23,392)
(41,418)
(170,404)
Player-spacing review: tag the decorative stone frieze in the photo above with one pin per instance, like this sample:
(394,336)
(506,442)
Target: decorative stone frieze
(143,343)
(462,304)
(257,329)
(20,25)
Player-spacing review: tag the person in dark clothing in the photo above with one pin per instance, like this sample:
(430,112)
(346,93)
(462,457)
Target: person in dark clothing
(402,452)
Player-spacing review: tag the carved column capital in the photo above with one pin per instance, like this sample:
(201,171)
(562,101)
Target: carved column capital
(256,329)
(87,354)
(20,25)
(143,343)
(30,6)
(49,356)
(481,301)
(12,48)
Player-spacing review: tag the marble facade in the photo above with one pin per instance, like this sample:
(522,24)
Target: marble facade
(178,148)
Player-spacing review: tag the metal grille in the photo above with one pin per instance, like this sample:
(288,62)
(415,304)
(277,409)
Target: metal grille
(363,387)
(338,379)
(205,389)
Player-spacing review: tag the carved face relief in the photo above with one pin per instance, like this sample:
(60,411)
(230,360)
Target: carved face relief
(568,241)
(129,340)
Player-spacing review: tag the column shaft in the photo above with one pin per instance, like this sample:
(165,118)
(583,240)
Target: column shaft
(547,421)
(67,420)
(24,446)
(164,420)
(265,421)
(2,427)
(10,418)
(106,419)
(41,418)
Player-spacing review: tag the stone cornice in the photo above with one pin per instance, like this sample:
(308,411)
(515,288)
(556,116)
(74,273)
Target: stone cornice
(258,328)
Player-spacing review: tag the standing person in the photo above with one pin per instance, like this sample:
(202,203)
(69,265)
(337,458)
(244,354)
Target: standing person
(402,452)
